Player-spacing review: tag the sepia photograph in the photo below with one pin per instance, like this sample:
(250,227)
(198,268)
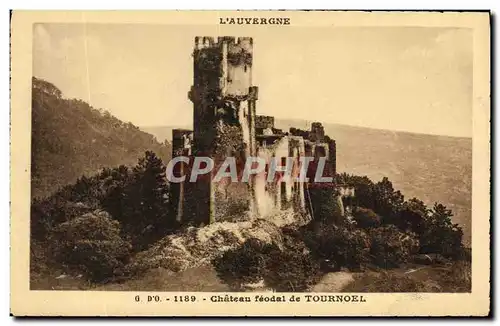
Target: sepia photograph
(255,159)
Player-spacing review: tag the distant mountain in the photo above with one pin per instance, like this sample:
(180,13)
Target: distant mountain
(70,138)
(431,168)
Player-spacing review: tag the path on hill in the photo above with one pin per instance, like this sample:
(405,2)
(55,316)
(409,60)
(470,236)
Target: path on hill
(333,282)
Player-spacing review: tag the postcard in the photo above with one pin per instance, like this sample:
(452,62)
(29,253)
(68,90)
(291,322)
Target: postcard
(250,163)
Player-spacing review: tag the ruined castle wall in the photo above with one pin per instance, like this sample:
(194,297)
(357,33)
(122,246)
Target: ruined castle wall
(269,194)
(296,151)
(282,193)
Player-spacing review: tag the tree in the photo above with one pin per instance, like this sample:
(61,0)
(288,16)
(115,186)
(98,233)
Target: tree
(325,206)
(140,200)
(46,87)
(440,234)
(387,201)
(117,183)
(412,216)
(363,189)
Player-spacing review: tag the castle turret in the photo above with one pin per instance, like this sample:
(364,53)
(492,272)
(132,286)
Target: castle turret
(223,99)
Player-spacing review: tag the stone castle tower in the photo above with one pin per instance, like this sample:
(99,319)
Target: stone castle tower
(224,100)
(222,90)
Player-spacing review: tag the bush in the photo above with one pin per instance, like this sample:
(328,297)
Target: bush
(283,270)
(366,218)
(291,271)
(341,245)
(91,243)
(390,247)
(45,214)
(245,264)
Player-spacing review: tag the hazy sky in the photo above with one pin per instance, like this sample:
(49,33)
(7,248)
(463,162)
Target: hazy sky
(412,78)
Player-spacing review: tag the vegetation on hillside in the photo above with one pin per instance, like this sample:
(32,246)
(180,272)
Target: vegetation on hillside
(432,226)
(429,167)
(116,225)
(136,197)
(91,138)
(385,232)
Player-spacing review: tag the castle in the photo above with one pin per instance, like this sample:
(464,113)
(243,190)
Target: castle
(225,124)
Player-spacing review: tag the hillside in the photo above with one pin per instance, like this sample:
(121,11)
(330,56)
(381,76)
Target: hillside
(431,168)
(71,138)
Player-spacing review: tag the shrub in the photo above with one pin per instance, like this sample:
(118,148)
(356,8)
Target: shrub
(341,245)
(91,243)
(366,218)
(291,270)
(245,264)
(391,247)
(45,214)
(294,268)
(283,270)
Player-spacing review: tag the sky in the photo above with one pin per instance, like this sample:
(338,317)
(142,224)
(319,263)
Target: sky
(415,79)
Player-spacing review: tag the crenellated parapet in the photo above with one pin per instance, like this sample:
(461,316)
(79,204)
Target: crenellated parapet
(223,66)
(317,132)
(205,42)
(264,122)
